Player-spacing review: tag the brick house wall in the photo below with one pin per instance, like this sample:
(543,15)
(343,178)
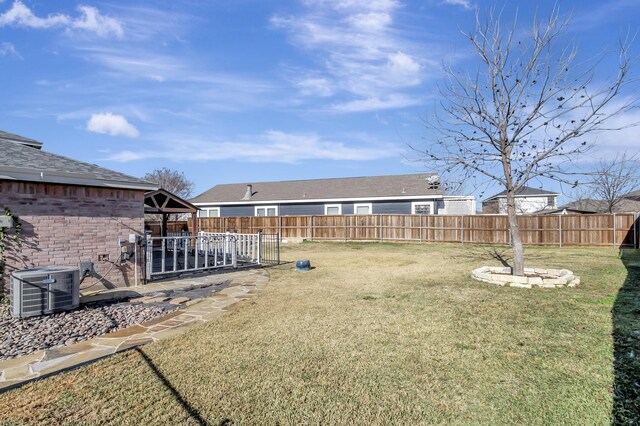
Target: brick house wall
(63,224)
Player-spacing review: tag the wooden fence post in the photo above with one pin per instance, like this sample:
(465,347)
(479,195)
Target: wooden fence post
(462,217)
(344,221)
(614,230)
(560,229)
(635,230)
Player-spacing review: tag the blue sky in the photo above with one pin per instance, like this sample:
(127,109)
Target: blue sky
(251,90)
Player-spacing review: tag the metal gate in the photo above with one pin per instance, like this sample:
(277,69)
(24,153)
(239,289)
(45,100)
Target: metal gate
(179,253)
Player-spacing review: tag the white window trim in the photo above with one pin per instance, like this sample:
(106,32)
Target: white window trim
(208,210)
(255,210)
(356,205)
(422,203)
(328,206)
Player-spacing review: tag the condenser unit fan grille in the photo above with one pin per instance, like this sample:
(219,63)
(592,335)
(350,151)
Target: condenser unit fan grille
(44,290)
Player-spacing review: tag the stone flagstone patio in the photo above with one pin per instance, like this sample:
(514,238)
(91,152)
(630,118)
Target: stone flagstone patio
(242,285)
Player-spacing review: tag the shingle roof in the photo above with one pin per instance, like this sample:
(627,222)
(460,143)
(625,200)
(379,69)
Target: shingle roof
(10,137)
(20,161)
(523,192)
(587,204)
(634,195)
(625,205)
(401,186)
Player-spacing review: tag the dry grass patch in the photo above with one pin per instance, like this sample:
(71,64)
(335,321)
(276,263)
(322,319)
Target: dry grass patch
(375,334)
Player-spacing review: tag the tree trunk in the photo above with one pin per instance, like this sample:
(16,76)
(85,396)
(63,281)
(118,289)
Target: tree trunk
(514,231)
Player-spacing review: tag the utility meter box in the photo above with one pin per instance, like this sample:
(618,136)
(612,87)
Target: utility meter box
(6,222)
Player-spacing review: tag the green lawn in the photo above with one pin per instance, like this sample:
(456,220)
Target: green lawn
(380,334)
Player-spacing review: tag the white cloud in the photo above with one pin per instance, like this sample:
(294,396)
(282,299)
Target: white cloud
(362,51)
(92,21)
(372,21)
(160,67)
(622,135)
(8,49)
(179,74)
(21,15)
(89,20)
(464,3)
(376,104)
(317,86)
(272,146)
(404,67)
(145,23)
(111,124)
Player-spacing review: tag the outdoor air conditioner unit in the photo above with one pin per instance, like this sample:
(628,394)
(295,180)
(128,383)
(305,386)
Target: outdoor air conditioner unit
(44,290)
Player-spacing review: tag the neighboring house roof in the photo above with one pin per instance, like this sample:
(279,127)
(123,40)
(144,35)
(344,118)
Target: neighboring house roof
(587,205)
(634,195)
(22,160)
(565,210)
(397,187)
(628,204)
(525,191)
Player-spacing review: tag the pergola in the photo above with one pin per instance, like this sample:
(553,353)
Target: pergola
(165,203)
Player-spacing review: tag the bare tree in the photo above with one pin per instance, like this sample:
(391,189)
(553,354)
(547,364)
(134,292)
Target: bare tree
(524,114)
(172,181)
(615,178)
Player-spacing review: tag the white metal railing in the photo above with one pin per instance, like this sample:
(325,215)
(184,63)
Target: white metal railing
(247,246)
(181,252)
(180,243)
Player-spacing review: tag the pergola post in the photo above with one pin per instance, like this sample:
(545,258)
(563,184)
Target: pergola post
(165,218)
(194,217)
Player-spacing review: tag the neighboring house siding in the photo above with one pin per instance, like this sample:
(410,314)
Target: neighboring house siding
(392,207)
(535,204)
(63,224)
(524,205)
(302,209)
(457,207)
(317,209)
(231,211)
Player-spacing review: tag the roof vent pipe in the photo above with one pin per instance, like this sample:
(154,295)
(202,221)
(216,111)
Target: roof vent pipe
(249,193)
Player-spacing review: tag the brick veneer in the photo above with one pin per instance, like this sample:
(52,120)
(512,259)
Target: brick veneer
(63,224)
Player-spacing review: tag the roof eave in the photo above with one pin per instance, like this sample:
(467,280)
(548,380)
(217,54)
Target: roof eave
(546,194)
(29,175)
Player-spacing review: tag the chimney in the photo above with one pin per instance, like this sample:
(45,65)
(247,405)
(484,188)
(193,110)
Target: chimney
(249,193)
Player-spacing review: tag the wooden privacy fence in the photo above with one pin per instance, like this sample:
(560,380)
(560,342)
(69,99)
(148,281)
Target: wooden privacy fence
(173,226)
(601,230)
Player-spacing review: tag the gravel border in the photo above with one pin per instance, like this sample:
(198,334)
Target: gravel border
(22,336)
